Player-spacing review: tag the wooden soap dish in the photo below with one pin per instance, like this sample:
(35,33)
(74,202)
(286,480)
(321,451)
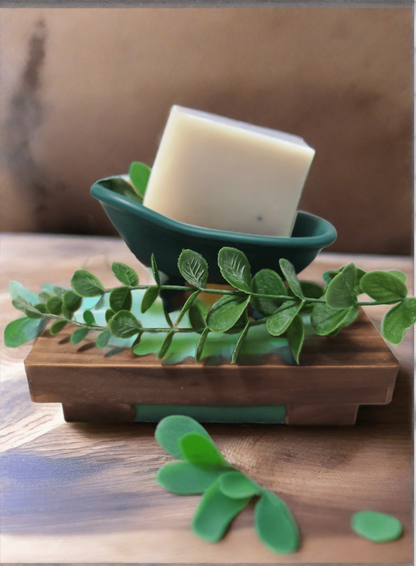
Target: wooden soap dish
(337,375)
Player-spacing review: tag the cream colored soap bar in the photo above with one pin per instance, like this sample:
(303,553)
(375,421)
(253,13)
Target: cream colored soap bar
(224,174)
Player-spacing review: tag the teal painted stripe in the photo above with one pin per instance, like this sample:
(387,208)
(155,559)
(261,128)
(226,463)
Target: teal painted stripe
(270,414)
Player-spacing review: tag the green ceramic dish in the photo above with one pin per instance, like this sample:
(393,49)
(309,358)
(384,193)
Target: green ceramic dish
(146,232)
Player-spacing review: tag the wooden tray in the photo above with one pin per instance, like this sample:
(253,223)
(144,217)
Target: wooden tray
(337,374)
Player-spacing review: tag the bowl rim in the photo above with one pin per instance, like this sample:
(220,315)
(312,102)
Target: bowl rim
(112,198)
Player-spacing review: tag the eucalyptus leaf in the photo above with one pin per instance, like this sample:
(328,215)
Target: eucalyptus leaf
(136,343)
(340,293)
(22,330)
(122,187)
(88,317)
(41,307)
(121,299)
(275,524)
(402,276)
(79,334)
(165,344)
(215,513)
(397,321)
(240,343)
(167,317)
(383,286)
(290,275)
(236,485)
(296,336)
(54,305)
(109,313)
(20,304)
(125,274)
(171,429)
(103,339)
(139,174)
(267,282)
(155,270)
(124,325)
(17,290)
(235,268)
(57,326)
(60,291)
(193,268)
(32,312)
(187,305)
(149,298)
(200,344)
(66,313)
(200,450)
(72,301)
(326,319)
(184,478)
(44,296)
(86,284)
(225,312)
(278,322)
(196,318)
(327,276)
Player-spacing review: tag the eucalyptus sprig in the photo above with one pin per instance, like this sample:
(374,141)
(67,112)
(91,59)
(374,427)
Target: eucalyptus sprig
(264,298)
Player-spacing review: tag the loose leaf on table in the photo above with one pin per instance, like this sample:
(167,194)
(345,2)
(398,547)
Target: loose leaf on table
(54,305)
(187,305)
(397,321)
(57,326)
(185,478)
(171,429)
(88,317)
(149,298)
(33,312)
(296,336)
(267,282)
(280,321)
(326,319)
(125,274)
(200,344)
(165,344)
(377,527)
(121,299)
(193,268)
(124,325)
(340,293)
(103,339)
(155,270)
(200,450)
(290,275)
(236,485)
(79,334)
(22,330)
(240,343)
(235,268)
(275,524)
(196,318)
(86,284)
(139,174)
(72,301)
(215,512)
(383,286)
(225,312)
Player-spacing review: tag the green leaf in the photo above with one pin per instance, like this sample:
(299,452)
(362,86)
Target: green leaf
(54,305)
(86,284)
(149,298)
(267,282)
(67,313)
(188,303)
(22,330)
(236,485)
(41,307)
(72,301)
(121,299)
(193,268)
(275,525)
(57,326)
(278,322)
(139,174)
(377,527)
(402,276)
(79,334)
(17,290)
(103,339)
(351,316)
(200,345)
(311,290)
(240,343)
(136,343)
(225,312)
(329,275)
(383,286)
(235,268)
(167,317)
(215,512)
(165,344)
(122,187)
(32,312)
(88,317)
(184,478)
(200,450)
(155,270)
(125,274)
(124,325)
(340,293)
(20,304)
(290,275)
(326,320)
(171,429)
(196,318)
(44,296)
(397,321)
(109,313)
(60,291)
(296,336)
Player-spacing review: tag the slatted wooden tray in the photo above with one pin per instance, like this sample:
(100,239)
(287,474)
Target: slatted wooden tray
(337,374)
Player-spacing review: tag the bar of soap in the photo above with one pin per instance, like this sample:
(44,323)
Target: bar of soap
(224,174)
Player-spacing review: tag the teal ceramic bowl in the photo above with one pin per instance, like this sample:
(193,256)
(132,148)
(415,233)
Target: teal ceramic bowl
(146,232)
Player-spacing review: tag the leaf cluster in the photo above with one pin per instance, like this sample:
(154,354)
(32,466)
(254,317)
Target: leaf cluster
(225,490)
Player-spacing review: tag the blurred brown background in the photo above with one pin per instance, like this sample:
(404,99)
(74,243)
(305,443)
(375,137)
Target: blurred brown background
(87,91)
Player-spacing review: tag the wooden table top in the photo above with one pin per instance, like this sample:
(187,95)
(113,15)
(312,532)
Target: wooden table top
(84,493)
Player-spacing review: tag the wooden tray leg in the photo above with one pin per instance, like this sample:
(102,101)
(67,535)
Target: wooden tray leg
(98,412)
(321,414)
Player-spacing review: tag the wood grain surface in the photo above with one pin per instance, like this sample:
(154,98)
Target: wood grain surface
(86,493)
